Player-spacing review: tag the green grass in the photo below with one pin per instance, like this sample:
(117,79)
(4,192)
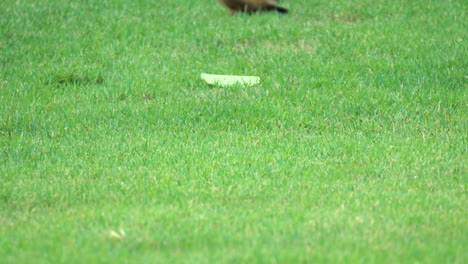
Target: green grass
(353,149)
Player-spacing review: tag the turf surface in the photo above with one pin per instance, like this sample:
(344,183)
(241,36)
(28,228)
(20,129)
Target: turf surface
(353,149)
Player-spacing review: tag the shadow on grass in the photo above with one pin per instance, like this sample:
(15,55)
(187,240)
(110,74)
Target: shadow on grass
(74,79)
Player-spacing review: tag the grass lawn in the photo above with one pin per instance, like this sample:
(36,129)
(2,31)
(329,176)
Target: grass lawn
(352,149)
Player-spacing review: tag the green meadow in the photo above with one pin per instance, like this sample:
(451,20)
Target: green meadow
(352,149)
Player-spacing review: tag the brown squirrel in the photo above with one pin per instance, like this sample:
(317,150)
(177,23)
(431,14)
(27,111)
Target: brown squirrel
(251,6)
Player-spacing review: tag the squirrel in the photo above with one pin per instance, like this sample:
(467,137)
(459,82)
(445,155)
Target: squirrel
(252,6)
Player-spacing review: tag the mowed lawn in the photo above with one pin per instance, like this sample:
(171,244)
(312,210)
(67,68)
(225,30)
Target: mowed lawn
(352,149)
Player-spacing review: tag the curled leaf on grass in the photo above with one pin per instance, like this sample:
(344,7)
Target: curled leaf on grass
(230,80)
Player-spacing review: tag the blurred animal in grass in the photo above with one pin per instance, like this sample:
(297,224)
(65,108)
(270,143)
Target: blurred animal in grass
(252,6)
